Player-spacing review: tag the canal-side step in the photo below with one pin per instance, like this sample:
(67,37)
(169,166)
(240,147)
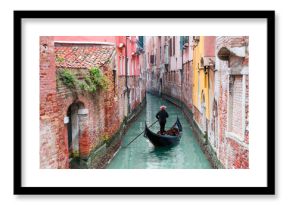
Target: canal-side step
(98,153)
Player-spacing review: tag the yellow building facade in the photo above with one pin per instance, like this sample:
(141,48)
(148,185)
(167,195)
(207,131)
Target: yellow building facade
(200,78)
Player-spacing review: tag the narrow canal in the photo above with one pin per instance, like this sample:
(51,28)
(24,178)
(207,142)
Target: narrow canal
(141,154)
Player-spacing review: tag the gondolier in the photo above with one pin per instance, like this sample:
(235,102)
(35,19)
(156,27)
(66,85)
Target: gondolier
(161,116)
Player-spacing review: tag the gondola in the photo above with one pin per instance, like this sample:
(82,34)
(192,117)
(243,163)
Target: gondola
(159,140)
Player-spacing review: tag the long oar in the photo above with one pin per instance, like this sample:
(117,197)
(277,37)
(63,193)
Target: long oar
(140,134)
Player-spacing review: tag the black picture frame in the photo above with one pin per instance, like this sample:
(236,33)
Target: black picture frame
(19,189)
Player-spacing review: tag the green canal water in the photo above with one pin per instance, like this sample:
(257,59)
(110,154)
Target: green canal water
(141,154)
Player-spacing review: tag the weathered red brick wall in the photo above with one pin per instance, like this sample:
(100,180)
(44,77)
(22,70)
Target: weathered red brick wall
(103,117)
(231,41)
(121,96)
(90,135)
(236,95)
(247,111)
(112,122)
(53,147)
(232,103)
(133,82)
(237,155)
(222,112)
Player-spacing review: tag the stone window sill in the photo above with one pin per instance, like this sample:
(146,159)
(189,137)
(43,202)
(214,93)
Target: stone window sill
(237,138)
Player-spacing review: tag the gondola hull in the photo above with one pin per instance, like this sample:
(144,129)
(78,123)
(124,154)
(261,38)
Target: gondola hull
(164,140)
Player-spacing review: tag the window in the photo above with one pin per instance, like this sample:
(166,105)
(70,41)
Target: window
(152,59)
(235,101)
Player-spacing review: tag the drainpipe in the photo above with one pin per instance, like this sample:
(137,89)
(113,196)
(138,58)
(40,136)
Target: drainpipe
(181,75)
(127,73)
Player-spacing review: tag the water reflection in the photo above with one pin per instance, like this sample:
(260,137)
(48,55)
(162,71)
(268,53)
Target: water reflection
(163,153)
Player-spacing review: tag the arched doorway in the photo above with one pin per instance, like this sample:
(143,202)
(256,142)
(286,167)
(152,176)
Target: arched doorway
(74,132)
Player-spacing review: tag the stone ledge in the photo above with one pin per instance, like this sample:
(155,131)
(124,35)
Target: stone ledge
(237,139)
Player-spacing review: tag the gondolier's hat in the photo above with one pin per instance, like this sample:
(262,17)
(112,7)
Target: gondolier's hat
(162,107)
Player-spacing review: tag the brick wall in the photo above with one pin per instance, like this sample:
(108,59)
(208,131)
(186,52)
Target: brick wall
(187,84)
(247,111)
(53,147)
(237,155)
(232,84)
(235,107)
(135,84)
(172,84)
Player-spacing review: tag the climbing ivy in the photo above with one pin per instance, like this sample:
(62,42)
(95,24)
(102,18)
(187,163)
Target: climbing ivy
(68,78)
(92,81)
